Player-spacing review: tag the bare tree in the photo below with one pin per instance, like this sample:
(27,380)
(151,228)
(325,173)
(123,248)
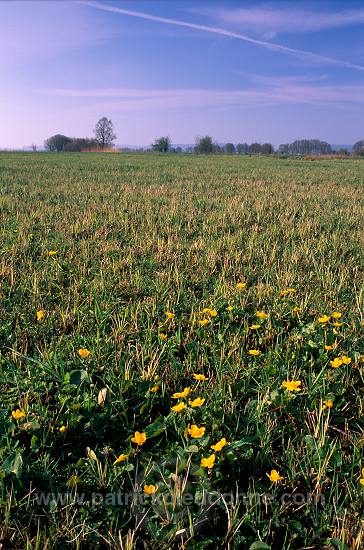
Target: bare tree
(104,132)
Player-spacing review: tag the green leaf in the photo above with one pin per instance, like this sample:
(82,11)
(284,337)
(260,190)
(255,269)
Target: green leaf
(13,465)
(155,429)
(310,442)
(336,459)
(338,545)
(259,545)
(79,377)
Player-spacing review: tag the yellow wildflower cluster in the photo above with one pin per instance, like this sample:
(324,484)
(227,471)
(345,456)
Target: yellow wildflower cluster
(324,319)
(197,402)
(338,361)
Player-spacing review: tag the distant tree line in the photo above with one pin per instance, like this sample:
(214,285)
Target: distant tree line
(60,143)
(105,136)
(305,147)
(205,145)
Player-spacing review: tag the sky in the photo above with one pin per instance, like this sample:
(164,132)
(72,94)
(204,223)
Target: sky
(240,71)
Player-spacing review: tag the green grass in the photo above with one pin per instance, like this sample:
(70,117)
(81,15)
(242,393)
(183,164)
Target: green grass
(136,236)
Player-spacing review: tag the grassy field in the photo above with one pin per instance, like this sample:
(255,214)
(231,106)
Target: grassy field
(230,288)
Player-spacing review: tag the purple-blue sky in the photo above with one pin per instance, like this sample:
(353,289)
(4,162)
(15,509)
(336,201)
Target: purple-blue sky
(240,71)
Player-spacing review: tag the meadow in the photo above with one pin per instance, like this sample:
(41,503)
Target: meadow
(181,352)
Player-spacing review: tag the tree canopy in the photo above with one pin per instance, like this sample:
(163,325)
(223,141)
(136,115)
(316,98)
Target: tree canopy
(57,143)
(358,148)
(205,145)
(162,144)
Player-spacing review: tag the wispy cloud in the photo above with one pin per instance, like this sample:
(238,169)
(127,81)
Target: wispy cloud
(279,48)
(271,91)
(272,20)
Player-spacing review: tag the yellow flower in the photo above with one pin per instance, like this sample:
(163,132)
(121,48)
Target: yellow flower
(274,476)
(293,385)
(150,489)
(336,315)
(330,348)
(18,414)
(328,404)
(40,314)
(52,252)
(213,312)
(120,458)
(230,308)
(181,394)
(204,322)
(196,432)
(154,389)
(254,352)
(206,310)
(63,429)
(179,407)
(219,445)
(169,315)
(197,402)
(337,362)
(240,286)
(337,324)
(361,480)
(208,462)
(288,291)
(163,336)
(254,327)
(296,309)
(346,360)
(261,315)
(200,377)
(139,438)
(84,352)
(324,319)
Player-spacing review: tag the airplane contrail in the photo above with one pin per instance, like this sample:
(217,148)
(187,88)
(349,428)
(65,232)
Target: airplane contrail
(223,32)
